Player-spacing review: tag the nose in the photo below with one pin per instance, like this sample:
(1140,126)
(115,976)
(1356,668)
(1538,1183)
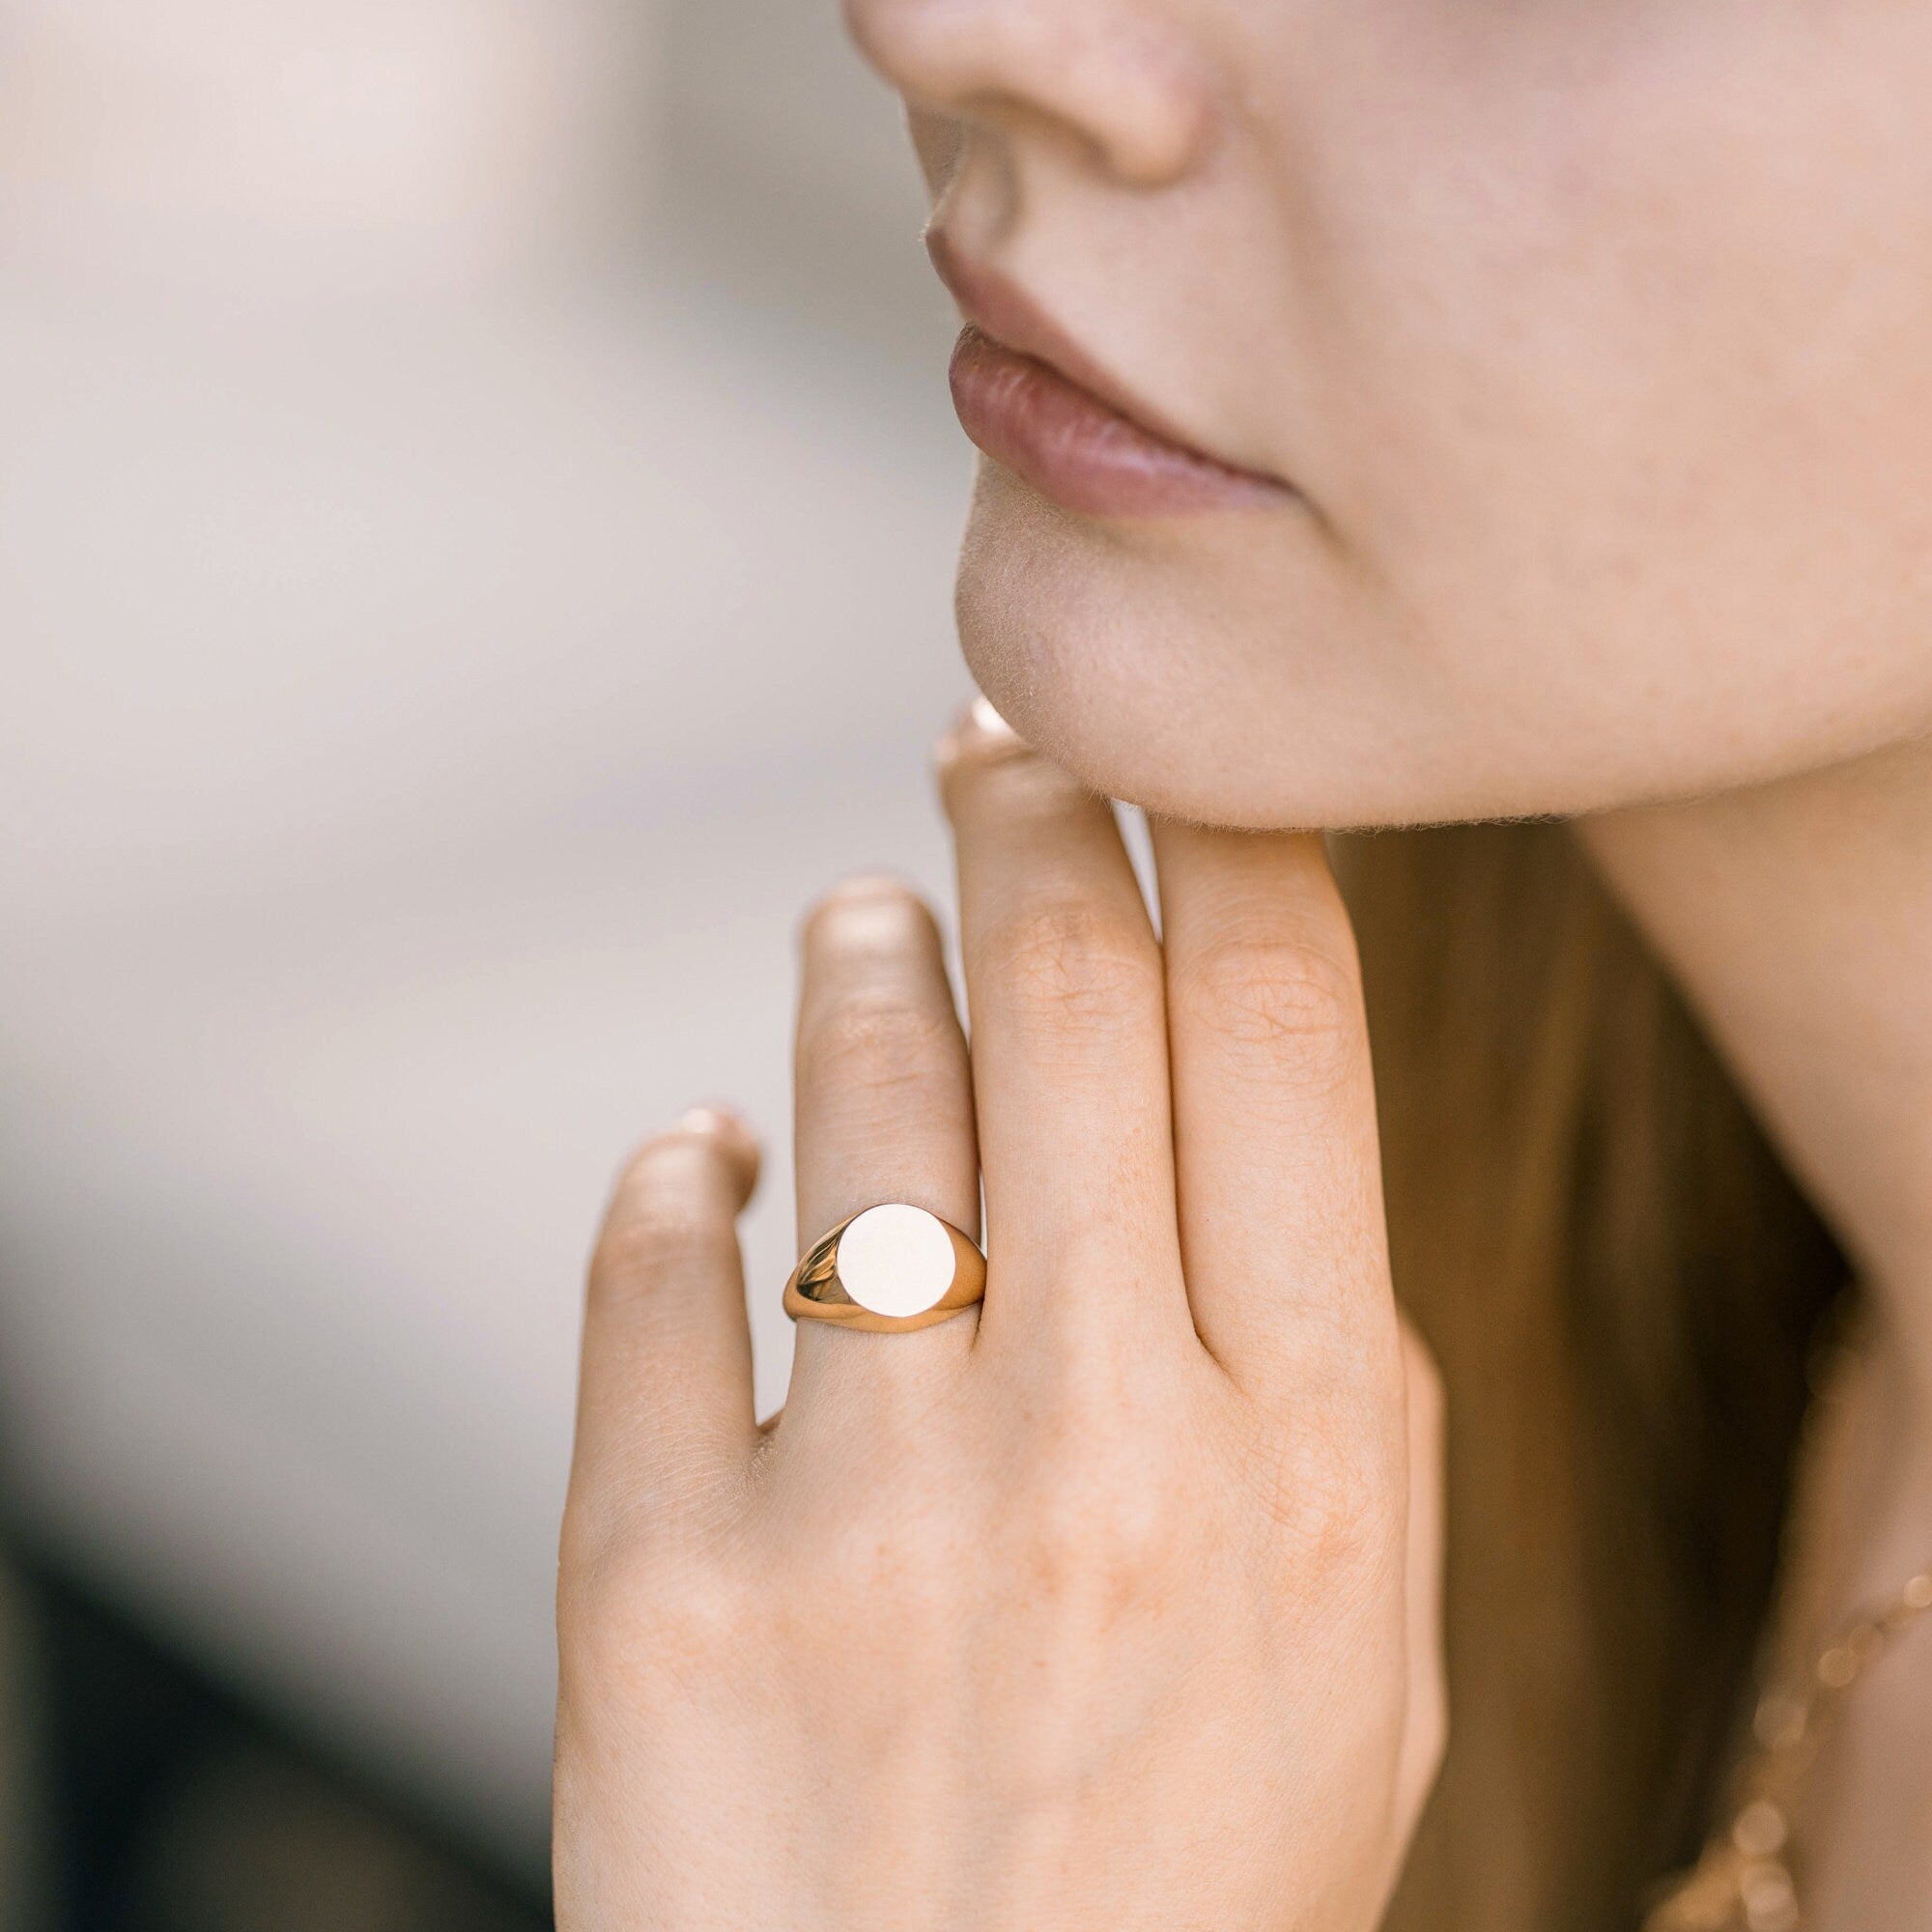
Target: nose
(1127,84)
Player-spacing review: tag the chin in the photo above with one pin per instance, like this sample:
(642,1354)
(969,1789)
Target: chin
(1234,671)
(1212,673)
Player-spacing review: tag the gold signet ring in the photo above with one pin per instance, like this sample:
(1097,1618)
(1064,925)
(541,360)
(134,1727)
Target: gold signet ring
(888,1269)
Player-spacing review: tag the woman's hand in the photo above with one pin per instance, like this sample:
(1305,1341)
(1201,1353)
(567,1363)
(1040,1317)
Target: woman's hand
(1110,1603)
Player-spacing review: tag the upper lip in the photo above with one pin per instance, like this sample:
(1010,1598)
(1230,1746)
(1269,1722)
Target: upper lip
(1000,308)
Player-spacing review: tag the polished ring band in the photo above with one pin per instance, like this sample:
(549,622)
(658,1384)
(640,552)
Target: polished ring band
(888,1269)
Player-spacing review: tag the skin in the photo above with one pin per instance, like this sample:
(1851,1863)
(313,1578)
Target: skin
(1110,1603)
(1593,336)
(1799,918)
(1594,340)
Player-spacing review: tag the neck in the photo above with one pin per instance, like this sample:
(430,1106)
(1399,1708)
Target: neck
(1798,918)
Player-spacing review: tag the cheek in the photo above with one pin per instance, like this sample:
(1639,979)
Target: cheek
(1631,408)
(1618,409)
(1241,677)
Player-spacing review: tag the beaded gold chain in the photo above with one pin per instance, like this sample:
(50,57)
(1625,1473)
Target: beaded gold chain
(1744,1881)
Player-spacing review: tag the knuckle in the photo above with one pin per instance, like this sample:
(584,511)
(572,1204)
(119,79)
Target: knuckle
(1095,1531)
(630,1617)
(655,1233)
(1071,963)
(870,1046)
(1279,994)
(1337,1502)
(907,1567)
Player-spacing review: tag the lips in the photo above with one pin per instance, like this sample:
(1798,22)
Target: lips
(1026,398)
(1084,454)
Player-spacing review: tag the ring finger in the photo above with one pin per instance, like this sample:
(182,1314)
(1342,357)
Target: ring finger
(883,1113)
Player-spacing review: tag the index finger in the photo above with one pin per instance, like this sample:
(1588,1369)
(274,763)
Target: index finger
(1278,1171)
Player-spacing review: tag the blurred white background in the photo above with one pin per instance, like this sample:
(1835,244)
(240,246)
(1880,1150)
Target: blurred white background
(477,501)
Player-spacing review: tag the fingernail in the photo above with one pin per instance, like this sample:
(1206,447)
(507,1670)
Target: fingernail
(982,715)
(979,728)
(731,1134)
(728,1133)
(717,1121)
(865,886)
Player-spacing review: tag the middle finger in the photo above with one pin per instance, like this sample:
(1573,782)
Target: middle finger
(1070,1051)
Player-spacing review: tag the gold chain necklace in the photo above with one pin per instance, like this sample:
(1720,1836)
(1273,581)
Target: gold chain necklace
(1744,1881)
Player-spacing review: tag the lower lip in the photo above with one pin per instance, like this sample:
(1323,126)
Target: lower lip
(1083,454)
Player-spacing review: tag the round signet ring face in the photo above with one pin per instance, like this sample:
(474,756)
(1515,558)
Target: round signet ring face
(892,1269)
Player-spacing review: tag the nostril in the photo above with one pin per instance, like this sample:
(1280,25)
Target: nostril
(1128,86)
